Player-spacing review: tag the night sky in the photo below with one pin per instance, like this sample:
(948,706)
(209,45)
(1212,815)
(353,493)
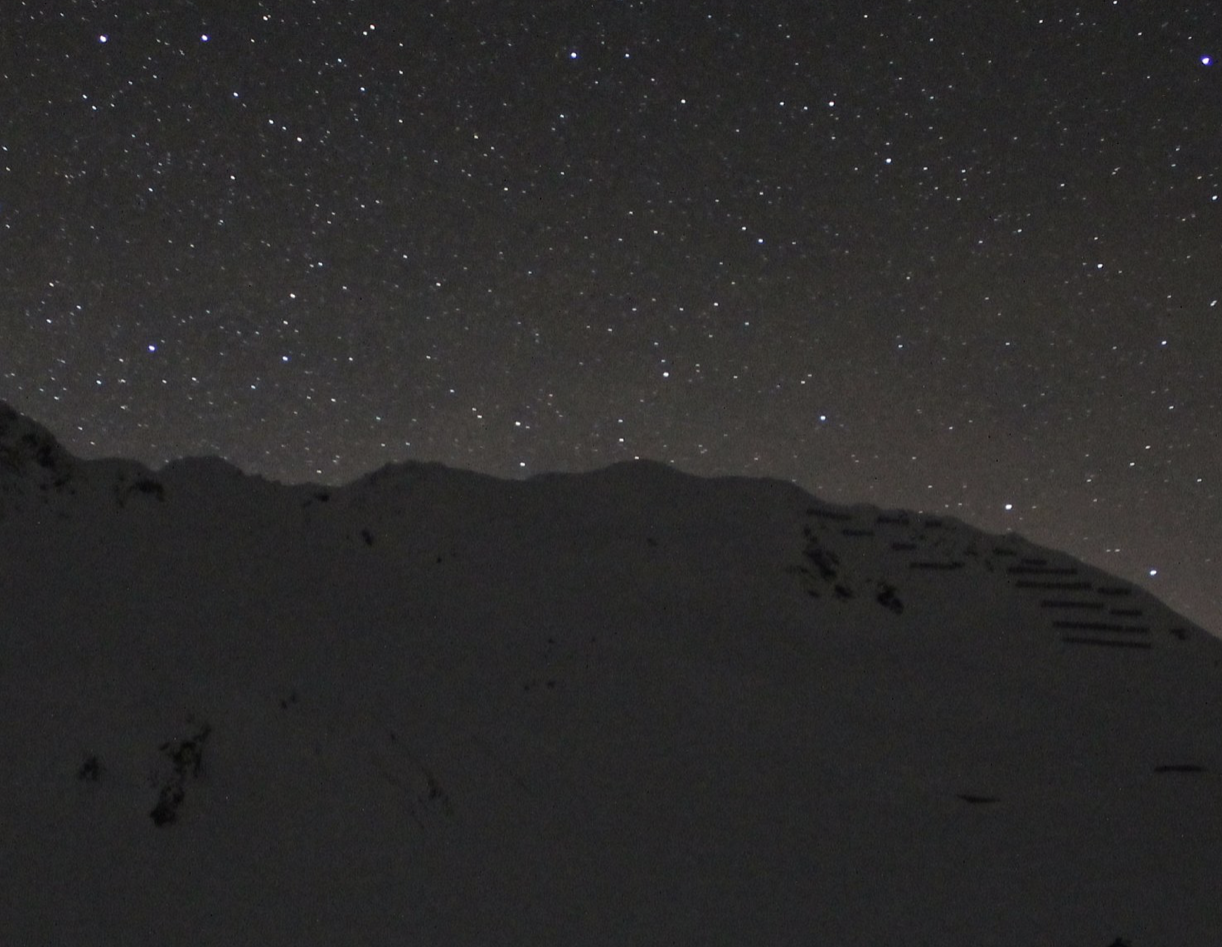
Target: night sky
(959,257)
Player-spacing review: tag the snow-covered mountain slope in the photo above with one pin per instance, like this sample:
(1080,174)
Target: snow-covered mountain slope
(624,707)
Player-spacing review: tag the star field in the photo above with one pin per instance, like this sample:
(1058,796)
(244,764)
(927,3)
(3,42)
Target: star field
(952,257)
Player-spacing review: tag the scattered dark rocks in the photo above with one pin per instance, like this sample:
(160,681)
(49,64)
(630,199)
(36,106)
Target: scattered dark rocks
(90,771)
(187,757)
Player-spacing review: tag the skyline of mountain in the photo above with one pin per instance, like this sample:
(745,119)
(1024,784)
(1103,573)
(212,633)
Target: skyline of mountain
(627,706)
(952,257)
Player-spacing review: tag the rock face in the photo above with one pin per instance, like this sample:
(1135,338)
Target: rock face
(629,706)
(30,456)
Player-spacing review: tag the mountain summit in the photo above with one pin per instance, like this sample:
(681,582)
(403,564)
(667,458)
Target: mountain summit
(630,706)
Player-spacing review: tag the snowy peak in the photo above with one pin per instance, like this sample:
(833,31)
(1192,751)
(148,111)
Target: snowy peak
(29,453)
(625,706)
(951,560)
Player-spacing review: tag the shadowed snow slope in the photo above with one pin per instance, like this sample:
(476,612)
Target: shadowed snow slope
(624,707)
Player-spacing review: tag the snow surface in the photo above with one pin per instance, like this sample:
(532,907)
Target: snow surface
(624,707)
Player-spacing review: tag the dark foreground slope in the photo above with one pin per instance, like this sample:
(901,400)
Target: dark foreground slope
(624,707)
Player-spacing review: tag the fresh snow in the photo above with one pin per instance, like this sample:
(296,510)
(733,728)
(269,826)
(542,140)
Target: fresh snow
(630,706)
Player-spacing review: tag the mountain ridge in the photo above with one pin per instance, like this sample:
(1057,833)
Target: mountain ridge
(630,705)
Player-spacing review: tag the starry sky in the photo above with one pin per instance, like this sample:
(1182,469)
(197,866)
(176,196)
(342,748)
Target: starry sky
(959,257)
